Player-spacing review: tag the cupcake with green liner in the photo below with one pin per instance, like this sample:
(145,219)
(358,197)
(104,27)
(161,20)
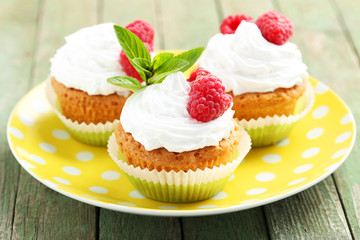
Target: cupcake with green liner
(176,140)
(85,102)
(263,72)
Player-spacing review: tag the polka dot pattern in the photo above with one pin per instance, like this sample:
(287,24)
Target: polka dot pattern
(315,148)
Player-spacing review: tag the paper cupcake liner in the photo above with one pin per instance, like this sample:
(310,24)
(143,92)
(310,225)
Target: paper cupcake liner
(179,186)
(270,130)
(92,134)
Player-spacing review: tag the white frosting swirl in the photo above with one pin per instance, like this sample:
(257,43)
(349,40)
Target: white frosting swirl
(156,116)
(88,58)
(246,62)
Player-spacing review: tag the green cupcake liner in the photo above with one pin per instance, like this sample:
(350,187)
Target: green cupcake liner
(91,138)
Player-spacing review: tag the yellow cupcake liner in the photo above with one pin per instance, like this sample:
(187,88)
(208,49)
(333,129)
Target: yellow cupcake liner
(270,130)
(92,134)
(179,186)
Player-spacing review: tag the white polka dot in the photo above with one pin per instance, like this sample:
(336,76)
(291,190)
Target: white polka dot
(97,189)
(136,194)
(61,180)
(25,119)
(265,176)
(168,207)
(283,142)
(50,184)
(25,164)
(310,152)
(16,132)
(315,133)
(40,106)
(303,168)
(60,134)
(84,156)
(271,158)
(249,201)
(127,204)
(232,177)
(207,206)
(37,159)
(47,147)
(343,137)
(320,112)
(348,118)
(339,153)
(88,196)
(71,170)
(110,175)
(332,167)
(321,88)
(297,181)
(220,195)
(256,191)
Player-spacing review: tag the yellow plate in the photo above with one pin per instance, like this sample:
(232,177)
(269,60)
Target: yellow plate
(315,148)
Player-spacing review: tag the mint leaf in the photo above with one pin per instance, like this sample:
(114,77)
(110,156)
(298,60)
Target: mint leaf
(133,47)
(126,82)
(172,66)
(191,56)
(160,59)
(143,64)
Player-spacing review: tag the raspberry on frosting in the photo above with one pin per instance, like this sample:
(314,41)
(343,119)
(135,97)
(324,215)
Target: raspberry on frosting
(208,99)
(198,72)
(143,30)
(275,27)
(230,24)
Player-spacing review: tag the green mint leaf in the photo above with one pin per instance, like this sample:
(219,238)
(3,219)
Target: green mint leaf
(129,83)
(191,56)
(143,65)
(160,59)
(173,67)
(133,47)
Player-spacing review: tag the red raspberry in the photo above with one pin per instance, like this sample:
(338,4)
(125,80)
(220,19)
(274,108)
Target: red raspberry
(127,67)
(208,99)
(198,72)
(230,24)
(275,27)
(143,30)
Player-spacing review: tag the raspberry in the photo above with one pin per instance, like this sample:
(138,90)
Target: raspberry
(208,99)
(142,30)
(198,72)
(230,24)
(275,27)
(127,67)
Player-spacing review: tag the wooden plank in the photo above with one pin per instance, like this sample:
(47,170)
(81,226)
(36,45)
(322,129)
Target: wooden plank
(40,212)
(313,214)
(18,28)
(248,224)
(329,57)
(116,225)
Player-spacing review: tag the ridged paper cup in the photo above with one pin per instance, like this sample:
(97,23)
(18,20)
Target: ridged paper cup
(92,134)
(270,130)
(179,187)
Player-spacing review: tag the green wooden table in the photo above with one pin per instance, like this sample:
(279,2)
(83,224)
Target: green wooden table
(327,32)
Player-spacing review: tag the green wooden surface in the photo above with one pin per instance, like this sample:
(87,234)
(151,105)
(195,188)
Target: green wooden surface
(326,32)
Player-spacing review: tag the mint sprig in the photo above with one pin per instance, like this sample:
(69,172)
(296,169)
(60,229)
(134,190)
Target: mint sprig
(151,71)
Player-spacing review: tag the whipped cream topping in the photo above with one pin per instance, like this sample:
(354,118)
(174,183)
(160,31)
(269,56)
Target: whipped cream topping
(247,62)
(88,58)
(156,116)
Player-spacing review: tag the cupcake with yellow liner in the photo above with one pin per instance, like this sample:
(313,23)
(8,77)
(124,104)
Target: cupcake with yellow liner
(176,141)
(77,89)
(263,72)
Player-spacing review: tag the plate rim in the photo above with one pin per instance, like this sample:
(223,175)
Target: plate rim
(181,213)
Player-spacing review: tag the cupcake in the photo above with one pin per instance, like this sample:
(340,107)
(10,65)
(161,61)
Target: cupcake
(263,72)
(176,140)
(85,102)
